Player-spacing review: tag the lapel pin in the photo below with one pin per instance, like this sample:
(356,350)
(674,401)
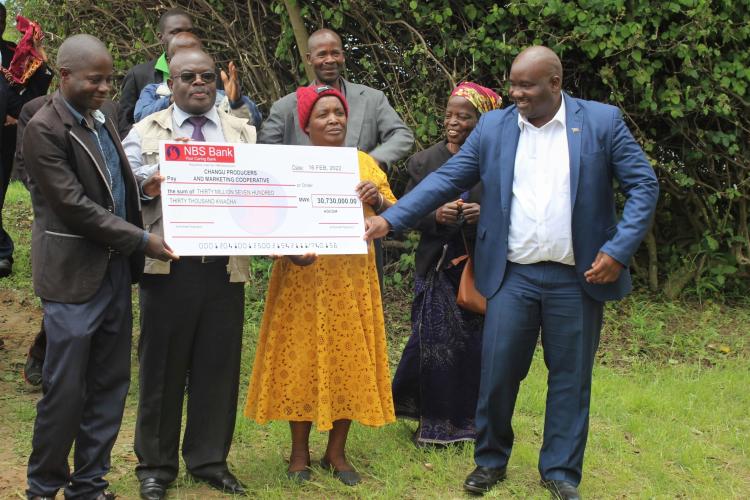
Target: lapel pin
(575,130)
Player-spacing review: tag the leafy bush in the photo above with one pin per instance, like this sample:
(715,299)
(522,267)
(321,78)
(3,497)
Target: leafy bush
(679,70)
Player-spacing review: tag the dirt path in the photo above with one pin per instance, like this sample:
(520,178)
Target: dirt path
(19,322)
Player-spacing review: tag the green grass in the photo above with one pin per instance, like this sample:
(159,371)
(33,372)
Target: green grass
(669,414)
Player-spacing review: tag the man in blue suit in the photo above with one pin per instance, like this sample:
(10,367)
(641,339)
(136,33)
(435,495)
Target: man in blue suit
(549,253)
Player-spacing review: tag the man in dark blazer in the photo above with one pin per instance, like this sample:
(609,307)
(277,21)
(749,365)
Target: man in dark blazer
(32,369)
(171,22)
(87,248)
(549,253)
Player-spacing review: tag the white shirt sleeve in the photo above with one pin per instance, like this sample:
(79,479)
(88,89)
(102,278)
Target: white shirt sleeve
(132,147)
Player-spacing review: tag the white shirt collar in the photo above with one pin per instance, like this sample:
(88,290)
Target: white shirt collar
(180,116)
(559,118)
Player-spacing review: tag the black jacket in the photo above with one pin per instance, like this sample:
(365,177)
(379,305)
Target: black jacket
(435,235)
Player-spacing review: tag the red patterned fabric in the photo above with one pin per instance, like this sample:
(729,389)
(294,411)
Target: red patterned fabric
(26,58)
(308,96)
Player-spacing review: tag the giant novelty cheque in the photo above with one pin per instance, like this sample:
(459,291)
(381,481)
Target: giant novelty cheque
(258,199)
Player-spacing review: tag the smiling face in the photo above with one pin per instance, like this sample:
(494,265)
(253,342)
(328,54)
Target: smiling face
(87,86)
(326,56)
(535,89)
(327,125)
(197,96)
(460,119)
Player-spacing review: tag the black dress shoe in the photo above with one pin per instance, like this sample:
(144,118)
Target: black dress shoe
(153,488)
(6,267)
(106,495)
(482,479)
(32,371)
(561,490)
(223,481)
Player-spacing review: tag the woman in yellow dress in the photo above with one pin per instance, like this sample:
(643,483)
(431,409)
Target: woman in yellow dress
(321,355)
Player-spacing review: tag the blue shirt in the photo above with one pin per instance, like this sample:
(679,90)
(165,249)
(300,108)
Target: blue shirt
(112,160)
(109,152)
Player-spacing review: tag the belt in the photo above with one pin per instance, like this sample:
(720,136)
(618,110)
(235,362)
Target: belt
(207,259)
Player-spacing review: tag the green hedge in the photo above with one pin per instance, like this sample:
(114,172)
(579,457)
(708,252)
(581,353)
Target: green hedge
(678,70)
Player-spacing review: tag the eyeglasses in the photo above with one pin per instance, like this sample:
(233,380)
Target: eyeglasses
(322,89)
(190,76)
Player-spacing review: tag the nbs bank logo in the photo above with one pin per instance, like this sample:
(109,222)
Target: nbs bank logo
(173,153)
(200,153)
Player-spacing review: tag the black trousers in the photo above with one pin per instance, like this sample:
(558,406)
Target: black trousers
(7,150)
(191,326)
(85,380)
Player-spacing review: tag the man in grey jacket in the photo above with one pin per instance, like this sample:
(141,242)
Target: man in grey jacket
(373,126)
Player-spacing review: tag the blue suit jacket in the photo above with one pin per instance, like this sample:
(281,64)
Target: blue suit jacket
(601,150)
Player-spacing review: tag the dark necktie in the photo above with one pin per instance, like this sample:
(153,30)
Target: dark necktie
(197,122)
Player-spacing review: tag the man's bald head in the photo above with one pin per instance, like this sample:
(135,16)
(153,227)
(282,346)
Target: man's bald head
(186,57)
(85,72)
(323,35)
(536,84)
(78,51)
(541,56)
(193,81)
(181,41)
(325,53)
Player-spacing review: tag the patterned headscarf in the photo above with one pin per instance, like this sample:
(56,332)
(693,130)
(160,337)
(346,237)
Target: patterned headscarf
(482,98)
(26,59)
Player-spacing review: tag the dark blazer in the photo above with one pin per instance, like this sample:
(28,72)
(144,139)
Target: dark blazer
(27,112)
(138,77)
(75,230)
(601,149)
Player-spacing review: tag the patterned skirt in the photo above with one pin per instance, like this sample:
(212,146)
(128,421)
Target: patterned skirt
(437,379)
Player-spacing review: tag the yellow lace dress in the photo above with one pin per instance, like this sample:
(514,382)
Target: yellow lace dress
(321,352)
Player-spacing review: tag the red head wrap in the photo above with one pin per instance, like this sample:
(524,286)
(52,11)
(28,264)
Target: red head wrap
(26,59)
(308,96)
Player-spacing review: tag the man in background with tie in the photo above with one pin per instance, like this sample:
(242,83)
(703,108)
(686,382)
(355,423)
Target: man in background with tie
(192,310)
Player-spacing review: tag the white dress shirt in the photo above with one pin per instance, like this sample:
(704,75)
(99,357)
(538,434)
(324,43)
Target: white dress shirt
(540,211)
(132,144)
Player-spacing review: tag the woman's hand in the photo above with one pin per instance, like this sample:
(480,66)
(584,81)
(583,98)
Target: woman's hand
(470,212)
(448,213)
(368,193)
(303,260)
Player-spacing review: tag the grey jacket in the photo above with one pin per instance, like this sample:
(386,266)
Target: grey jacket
(373,125)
